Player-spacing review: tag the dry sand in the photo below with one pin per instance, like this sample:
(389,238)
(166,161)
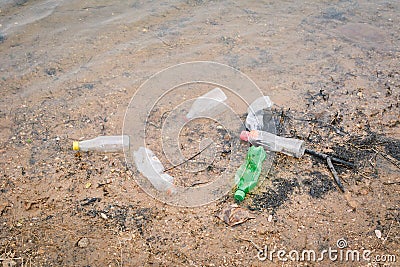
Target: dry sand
(68,70)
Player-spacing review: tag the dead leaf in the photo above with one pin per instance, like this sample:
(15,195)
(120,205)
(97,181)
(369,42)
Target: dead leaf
(234,215)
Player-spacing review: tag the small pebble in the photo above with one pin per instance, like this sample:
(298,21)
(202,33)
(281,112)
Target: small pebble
(378,233)
(83,242)
(103,216)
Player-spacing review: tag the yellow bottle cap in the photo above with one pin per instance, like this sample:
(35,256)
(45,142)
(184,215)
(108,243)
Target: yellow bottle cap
(75,145)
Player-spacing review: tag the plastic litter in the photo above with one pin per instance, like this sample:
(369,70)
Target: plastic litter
(289,146)
(151,167)
(207,104)
(256,112)
(247,175)
(103,144)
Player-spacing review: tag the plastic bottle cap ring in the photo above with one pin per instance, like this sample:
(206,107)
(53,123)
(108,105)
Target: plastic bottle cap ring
(75,145)
(239,195)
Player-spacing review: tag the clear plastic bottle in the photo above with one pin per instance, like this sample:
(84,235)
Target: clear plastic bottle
(207,104)
(151,167)
(289,146)
(103,144)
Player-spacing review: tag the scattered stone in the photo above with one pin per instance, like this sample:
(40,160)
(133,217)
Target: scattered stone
(8,263)
(104,216)
(50,71)
(378,233)
(3,207)
(2,38)
(83,242)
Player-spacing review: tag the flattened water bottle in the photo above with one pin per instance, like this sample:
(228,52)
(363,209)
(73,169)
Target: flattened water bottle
(151,167)
(248,173)
(208,104)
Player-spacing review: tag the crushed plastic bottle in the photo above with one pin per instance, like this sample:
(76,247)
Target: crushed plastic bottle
(151,167)
(289,146)
(103,144)
(207,104)
(247,175)
(256,112)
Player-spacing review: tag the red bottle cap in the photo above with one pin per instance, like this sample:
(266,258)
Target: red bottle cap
(244,135)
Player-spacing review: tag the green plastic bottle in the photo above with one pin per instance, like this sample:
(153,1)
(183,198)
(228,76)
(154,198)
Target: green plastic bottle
(247,175)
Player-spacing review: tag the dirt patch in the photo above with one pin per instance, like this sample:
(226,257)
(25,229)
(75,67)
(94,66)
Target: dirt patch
(69,70)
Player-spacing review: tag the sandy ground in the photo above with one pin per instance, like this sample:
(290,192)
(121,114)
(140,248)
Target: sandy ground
(69,69)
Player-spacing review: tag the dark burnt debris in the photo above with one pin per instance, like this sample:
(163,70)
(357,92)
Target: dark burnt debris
(360,151)
(319,186)
(275,196)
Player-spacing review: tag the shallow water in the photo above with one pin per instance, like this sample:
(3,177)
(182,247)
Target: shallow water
(135,39)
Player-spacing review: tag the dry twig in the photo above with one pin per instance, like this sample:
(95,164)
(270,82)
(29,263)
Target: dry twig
(192,157)
(334,173)
(325,156)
